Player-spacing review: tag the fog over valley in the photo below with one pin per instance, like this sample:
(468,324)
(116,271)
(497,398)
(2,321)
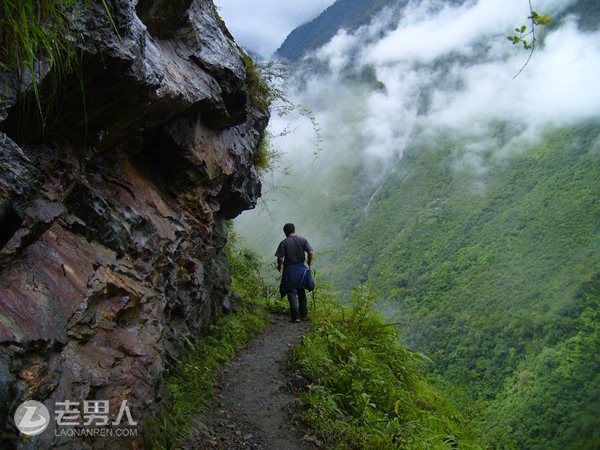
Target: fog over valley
(438,69)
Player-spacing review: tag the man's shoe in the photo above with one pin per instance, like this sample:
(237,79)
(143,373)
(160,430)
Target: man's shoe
(304,318)
(295,320)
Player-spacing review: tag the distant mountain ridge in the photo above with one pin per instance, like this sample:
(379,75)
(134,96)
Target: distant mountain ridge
(352,14)
(348,14)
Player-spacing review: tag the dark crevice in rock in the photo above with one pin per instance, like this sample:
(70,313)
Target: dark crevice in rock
(163,17)
(71,111)
(10,222)
(233,110)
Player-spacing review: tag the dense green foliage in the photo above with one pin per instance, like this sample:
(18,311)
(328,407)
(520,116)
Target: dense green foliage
(366,391)
(495,272)
(555,403)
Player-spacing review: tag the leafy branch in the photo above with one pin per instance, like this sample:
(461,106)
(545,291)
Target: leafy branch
(526,36)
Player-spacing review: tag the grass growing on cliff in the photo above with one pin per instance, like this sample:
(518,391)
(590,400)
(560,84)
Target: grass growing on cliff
(32,31)
(366,390)
(267,158)
(34,36)
(260,91)
(190,384)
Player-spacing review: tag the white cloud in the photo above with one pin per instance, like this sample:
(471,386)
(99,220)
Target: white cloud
(423,37)
(563,81)
(391,114)
(337,51)
(558,86)
(430,28)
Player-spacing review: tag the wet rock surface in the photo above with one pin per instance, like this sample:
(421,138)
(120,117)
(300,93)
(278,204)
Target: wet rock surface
(113,216)
(254,406)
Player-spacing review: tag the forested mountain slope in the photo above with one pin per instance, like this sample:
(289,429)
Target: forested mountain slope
(497,279)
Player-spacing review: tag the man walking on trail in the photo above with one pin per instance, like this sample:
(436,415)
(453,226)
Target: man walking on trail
(296,277)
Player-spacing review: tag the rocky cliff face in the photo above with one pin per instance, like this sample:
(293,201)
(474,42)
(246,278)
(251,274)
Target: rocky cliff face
(112,217)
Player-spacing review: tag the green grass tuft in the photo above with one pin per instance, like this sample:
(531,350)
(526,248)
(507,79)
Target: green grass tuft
(366,390)
(257,86)
(33,31)
(35,36)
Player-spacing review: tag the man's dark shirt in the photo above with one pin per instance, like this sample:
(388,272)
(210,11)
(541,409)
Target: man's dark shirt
(292,250)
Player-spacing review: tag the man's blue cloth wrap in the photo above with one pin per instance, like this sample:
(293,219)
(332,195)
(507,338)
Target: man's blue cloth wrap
(296,276)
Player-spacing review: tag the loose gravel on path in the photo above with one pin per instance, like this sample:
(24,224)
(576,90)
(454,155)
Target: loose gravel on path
(253,404)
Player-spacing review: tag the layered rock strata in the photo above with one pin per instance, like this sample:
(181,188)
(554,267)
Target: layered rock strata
(113,213)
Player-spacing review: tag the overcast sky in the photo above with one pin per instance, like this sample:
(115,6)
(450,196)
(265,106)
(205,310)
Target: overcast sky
(262,25)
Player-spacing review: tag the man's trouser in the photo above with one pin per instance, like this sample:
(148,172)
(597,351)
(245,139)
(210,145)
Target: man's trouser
(298,304)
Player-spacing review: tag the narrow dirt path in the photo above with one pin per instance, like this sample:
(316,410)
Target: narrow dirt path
(251,409)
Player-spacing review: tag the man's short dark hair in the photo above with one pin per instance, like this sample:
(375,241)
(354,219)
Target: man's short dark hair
(289,228)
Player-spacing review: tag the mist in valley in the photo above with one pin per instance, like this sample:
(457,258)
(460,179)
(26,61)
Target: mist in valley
(416,75)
